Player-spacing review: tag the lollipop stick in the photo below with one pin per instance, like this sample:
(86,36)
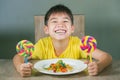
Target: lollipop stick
(25,60)
(90,56)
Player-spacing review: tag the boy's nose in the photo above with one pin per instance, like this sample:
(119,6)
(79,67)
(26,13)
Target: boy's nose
(60,24)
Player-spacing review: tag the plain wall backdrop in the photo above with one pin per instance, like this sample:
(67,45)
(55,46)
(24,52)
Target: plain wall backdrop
(102,20)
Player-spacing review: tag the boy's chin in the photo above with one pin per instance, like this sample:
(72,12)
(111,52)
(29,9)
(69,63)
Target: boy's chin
(60,38)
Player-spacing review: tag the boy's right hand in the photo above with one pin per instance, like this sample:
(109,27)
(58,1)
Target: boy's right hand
(25,69)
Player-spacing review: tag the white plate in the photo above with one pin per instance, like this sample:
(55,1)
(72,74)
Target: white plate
(77,65)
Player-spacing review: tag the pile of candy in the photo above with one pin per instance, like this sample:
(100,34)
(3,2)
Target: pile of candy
(59,66)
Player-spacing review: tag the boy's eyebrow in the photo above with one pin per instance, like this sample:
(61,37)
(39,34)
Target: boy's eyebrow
(52,18)
(66,18)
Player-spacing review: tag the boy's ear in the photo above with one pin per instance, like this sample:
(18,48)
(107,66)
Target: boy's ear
(72,28)
(46,29)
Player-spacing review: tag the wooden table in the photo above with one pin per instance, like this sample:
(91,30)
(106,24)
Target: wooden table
(8,72)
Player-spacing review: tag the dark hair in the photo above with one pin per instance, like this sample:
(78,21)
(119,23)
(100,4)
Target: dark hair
(56,9)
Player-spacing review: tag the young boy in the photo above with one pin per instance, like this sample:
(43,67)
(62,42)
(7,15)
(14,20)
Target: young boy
(60,43)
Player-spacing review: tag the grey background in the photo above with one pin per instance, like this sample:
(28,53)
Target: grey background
(102,20)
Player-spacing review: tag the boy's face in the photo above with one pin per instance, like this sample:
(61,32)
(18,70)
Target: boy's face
(59,26)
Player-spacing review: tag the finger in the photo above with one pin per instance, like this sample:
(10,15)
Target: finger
(90,68)
(26,69)
(26,65)
(26,73)
(93,68)
(92,64)
(86,62)
(30,64)
(93,71)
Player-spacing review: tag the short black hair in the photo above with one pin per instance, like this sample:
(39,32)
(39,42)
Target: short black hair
(56,9)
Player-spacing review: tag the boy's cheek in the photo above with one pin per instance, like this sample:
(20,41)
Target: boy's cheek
(46,30)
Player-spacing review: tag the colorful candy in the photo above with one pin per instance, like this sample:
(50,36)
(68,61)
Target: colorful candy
(25,48)
(59,66)
(88,45)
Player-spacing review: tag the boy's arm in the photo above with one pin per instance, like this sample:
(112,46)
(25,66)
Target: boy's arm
(18,60)
(103,59)
(23,68)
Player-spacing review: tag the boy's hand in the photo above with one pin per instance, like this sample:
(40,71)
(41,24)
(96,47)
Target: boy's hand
(92,68)
(25,69)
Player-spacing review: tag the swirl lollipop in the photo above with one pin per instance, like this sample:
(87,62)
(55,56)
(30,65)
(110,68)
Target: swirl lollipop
(88,45)
(25,48)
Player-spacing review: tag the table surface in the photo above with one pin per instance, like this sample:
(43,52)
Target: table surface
(8,72)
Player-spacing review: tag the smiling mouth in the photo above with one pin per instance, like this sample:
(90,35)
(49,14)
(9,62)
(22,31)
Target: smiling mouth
(60,31)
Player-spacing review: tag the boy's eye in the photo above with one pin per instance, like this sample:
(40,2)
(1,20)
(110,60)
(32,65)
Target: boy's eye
(54,21)
(65,21)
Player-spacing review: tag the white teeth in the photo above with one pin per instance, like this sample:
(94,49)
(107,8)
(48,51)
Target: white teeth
(60,31)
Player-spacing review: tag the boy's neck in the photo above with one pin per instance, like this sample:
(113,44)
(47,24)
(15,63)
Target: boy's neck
(60,46)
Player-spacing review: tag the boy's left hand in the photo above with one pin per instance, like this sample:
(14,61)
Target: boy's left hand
(92,68)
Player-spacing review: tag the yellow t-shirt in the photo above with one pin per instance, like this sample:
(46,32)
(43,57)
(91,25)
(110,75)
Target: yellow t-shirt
(44,49)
